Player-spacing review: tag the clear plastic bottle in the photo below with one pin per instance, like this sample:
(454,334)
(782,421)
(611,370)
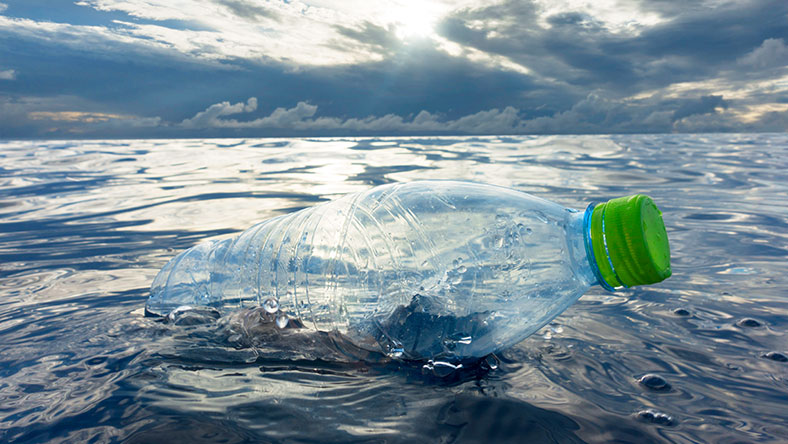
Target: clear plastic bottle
(424,269)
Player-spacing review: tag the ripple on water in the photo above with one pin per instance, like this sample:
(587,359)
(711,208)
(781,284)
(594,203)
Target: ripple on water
(77,246)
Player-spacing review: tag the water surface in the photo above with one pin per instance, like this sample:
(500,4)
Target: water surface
(85,226)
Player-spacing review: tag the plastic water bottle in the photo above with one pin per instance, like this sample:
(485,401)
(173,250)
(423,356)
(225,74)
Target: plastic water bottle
(423,270)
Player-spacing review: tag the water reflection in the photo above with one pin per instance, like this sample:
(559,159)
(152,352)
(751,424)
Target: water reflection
(85,226)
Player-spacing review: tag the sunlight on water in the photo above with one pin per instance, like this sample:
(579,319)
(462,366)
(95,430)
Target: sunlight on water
(85,226)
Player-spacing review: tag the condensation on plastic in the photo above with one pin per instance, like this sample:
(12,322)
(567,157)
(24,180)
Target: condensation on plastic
(417,270)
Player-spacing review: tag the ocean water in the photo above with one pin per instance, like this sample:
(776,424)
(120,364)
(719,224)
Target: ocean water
(86,225)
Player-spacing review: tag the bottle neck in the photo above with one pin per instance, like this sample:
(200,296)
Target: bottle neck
(590,255)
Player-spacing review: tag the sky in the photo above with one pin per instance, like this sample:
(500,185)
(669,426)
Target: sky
(259,68)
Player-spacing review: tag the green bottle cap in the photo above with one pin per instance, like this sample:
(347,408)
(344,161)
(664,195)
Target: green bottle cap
(630,242)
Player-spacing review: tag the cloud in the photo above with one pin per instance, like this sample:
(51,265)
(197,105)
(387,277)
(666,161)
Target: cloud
(249,10)
(354,66)
(279,118)
(373,36)
(95,118)
(594,114)
(104,42)
(250,30)
(599,114)
(772,53)
(586,49)
(302,118)
(703,105)
(67,116)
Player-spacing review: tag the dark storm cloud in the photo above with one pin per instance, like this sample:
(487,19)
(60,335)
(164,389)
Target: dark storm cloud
(703,105)
(583,52)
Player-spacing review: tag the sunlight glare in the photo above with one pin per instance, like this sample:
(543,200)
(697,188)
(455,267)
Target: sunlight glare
(413,19)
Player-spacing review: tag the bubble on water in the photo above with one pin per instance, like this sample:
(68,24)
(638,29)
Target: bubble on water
(681,312)
(271,305)
(282,320)
(654,382)
(776,356)
(749,323)
(655,417)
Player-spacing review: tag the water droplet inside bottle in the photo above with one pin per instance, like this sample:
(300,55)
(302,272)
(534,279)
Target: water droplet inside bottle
(282,320)
(456,263)
(271,305)
(442,369)
(234,338)
(456,279)
(462,269)
(396,352)
(492,362)
(464,340)
(498,242)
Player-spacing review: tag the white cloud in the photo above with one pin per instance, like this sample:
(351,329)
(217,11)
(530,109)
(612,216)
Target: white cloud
(285,31)
(292,32)
(8,74)
(115,43)
(302,117)
(3,7)
(771,54)
(620,16)
(210,117)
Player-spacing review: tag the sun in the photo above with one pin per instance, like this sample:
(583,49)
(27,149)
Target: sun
(413,19)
